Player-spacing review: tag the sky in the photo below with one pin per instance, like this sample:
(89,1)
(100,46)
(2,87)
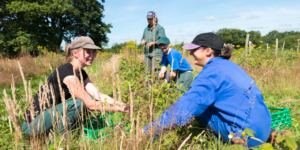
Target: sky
(184,19)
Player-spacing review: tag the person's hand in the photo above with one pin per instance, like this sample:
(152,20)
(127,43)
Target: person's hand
(125,108)
(119,103)
(166,81)
(161,75)
(150,44)
(143,42)
(141,133)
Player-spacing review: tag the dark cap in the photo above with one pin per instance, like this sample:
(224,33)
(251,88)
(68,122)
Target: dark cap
(163,40)
(205,40)
(83,42)
(150,14)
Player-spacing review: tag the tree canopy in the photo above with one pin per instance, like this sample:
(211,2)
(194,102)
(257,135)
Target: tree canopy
(233,36)
(26,24)
(238,37)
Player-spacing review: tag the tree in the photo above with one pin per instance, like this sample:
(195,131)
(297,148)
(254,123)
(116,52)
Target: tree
(29,23)
(255,37)
(290,41)
(233,36)
(273,35)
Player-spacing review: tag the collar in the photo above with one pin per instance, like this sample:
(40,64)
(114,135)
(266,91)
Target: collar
(214,59)
(156,24)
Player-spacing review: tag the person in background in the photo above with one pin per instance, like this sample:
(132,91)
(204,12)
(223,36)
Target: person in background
(42,115)
(152,33)
(223,97)
(181,70)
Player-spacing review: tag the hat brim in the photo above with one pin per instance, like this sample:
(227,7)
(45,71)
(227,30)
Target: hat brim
(90,46)
(191,46)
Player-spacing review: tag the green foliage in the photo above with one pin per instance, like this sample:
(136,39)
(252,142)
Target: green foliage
(266,146)
(290,42)
(178,46)
(238,37)
(255,37)
(115,48)
(233,36)
(286,140)
(249,132)
(273,35)
(234,147)
(119,47)
(48,23)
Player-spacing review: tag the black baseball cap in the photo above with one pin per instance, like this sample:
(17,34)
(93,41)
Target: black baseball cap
(205,40)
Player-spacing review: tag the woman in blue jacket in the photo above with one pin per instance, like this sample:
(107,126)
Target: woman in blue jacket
(223,97)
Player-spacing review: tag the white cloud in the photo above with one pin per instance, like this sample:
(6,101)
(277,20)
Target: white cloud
(285,25)
(210,18)
(229,17)
(256,27)
(244,10)
(287,11)
(252,17)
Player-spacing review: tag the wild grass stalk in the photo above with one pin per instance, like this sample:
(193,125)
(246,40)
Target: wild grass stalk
(119,89)
(14,117)
(184,142)
(24,81)
(65,106)
(114,78)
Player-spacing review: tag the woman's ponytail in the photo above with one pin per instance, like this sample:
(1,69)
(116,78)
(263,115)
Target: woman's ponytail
(226,55)
(69,55)
(228,51)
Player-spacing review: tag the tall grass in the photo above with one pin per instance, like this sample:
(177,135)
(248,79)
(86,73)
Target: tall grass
(123,77)
(32,66)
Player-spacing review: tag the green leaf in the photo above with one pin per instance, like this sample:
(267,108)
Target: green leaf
(249,132)
(234,147)
(280,139)
(266,146)
(290,142)
(127,84)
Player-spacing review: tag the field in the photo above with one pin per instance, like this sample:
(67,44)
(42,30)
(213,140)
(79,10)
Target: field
(123,76)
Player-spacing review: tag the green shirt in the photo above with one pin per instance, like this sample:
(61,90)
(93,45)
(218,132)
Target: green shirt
(148,37)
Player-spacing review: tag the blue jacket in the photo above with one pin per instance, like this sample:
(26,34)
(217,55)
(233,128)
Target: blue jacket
(224,98)
(174,58)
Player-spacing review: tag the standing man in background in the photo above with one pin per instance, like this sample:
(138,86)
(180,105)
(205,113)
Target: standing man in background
(181,70)
(152,33)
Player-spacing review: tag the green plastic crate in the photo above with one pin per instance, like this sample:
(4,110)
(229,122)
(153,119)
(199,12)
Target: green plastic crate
(280,115)
(95,128)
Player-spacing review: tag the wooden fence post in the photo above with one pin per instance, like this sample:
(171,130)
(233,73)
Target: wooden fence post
(246,44)
(250,47)
(298,45)
(282,47)
(276,49)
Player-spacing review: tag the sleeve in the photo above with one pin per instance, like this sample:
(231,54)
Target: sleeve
(160,33)
(143,37)
(64,72)
(176,61)
(84,74)
(190,105)
(164,61)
